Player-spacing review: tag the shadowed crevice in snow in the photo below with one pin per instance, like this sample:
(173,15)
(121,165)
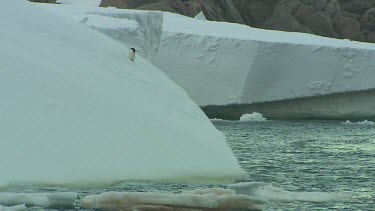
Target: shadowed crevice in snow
(151,28)
(350,105)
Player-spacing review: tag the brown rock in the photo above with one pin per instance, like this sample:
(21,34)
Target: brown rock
(348,28)
(255,12)
(367,20)
(319,23)
(371,37)
(283,20)
(355,6)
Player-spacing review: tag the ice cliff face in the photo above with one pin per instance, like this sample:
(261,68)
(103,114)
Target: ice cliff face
(223,64)
(266,71)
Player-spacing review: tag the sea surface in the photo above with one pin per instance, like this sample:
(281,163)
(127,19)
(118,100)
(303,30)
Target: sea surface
(298,156)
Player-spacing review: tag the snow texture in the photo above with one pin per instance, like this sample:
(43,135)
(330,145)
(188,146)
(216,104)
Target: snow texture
(269,192)
(76,111)
(215,199)
(224,63)
(253,117)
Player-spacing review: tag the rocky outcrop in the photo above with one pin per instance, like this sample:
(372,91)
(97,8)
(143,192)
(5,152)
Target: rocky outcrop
(346,19)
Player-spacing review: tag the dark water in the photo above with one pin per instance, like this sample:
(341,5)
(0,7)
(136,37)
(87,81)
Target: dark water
(317,156)
(300,156)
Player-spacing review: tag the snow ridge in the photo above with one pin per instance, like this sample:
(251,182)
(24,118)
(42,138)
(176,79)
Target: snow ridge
(150,28)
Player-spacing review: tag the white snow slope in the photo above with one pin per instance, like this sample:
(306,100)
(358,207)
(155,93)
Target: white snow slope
(223,63)
(75,110)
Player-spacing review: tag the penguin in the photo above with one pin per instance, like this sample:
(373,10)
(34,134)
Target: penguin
(132,54)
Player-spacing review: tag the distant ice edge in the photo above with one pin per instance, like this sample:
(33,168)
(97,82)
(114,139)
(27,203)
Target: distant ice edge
(343,106)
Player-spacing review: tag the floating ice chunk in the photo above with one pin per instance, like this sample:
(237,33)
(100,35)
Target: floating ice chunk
(13,208)
(222,199)
(270,192)
(38,199)
(254,117)
(347,122)
(216,120)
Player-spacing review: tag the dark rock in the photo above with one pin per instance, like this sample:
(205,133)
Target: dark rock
(349,15)
(221,10)
(319,23)
(355,6)
(348,28)
(284,21)
(121,4)
(254,13)
(371,37)
(329,7)
(367,20)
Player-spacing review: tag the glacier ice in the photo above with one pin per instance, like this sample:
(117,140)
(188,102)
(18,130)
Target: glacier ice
(225,64)
(253,117)
(76,111)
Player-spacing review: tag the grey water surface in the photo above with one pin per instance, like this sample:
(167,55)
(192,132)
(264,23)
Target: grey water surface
(298,156)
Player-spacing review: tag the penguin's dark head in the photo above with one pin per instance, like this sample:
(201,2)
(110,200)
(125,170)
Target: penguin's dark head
(133,49)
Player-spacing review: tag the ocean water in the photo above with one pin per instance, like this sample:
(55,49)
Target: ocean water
(308,156)
(297,156)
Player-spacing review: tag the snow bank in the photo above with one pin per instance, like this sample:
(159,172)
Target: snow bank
(200,199)
(269,192)
(253,117)
(75,110)
(19,200)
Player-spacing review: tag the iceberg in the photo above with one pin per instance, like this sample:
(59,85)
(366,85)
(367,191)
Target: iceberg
(75,111)
(365,122)
(253,117)
(230,69)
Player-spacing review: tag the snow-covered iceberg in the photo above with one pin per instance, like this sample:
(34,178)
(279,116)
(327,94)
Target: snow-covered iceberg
(253,117)
(231,69)
(280,74)
(75,110)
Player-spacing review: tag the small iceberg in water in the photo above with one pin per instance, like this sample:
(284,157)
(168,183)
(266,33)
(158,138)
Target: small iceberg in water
(254,117)
(347,122)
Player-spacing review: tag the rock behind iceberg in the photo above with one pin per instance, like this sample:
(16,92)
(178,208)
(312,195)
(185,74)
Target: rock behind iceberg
(75,110)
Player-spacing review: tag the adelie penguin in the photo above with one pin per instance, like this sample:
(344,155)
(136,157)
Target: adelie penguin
(132,54)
